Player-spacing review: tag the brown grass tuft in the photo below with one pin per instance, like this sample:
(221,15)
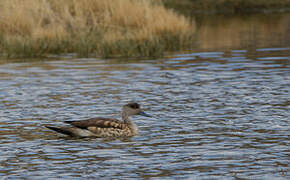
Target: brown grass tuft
(98,27)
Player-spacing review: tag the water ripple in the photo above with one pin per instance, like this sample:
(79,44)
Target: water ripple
(215,116)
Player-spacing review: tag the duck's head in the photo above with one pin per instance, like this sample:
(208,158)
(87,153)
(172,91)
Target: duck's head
(134,108)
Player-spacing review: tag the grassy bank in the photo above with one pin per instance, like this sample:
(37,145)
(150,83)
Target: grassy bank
(228,6)
(34,28)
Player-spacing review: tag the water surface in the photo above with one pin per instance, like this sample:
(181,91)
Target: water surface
(217,114)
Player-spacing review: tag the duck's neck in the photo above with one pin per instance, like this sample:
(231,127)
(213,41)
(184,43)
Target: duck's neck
(127,120)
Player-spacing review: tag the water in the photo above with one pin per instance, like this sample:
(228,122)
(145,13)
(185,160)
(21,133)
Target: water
(218,114)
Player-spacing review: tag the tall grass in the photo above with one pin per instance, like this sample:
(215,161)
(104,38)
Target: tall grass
(90,27)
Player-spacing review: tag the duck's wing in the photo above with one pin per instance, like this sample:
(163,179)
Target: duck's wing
(98,122)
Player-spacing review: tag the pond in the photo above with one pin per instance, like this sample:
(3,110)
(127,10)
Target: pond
(220,110)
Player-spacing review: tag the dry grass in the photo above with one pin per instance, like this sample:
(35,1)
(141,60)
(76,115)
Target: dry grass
(90,27)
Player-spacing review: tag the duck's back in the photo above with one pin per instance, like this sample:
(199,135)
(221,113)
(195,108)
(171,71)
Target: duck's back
(98,122)
(104,127)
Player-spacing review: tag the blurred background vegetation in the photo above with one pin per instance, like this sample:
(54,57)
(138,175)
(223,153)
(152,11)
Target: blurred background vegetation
(106,28)
(228,6)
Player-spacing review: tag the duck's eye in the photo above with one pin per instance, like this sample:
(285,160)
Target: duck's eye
(134,106)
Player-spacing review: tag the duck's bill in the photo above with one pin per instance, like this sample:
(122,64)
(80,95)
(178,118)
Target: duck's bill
(142,113)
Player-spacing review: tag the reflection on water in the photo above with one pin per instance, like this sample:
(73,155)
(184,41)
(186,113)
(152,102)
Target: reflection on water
(218,114)
(220,32)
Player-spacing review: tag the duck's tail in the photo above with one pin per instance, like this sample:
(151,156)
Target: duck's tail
(66,131)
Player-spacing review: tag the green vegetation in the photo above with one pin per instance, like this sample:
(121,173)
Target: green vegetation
(228,6)
(36,28)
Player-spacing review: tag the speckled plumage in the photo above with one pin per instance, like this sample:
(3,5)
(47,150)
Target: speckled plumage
(104,127)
